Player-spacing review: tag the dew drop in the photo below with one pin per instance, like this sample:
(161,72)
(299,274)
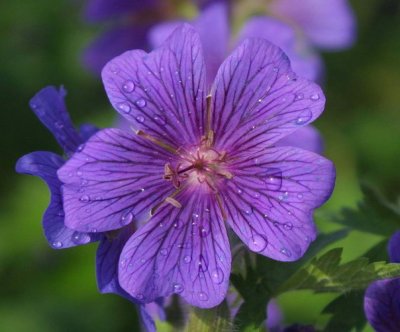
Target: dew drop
(126,218)
(203,231)
(288,226)
(84,198)
(59,124)
(275,69)
(177,224)
(128,86)
(80,238)
(57,244)
(257,194)
(160,119)
(217,276)
(283,196)
(122,263)
(139,296)
(202,264)
(300,196)
(164,252)
(248,210)
(315,97)
(124,107)
(286,252)
(273,179)
(299,96)
(240,191)
(141,102)
(257,243)
(80,147)
(140,118)
(304,118)
(178,288)
(203,296)
(187,259)
(79,173)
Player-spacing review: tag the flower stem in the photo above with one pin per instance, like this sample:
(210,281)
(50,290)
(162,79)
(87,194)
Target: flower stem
(204,320)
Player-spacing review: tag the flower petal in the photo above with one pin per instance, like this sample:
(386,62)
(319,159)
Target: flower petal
(45,165)
(184,251)
(258,100)
(394,248)
(87,130)
(213,27)
(49,106)
(382,305)
(303,60)
(329,24)
(115,179)
(162,93)
(307,138)
(112,43)
(270,200)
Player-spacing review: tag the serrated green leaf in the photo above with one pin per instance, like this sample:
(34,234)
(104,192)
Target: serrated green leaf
(374,214)
(347,313)
(325,274)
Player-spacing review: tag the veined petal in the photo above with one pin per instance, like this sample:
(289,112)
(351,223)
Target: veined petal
(258,100)
(112,43)
(329,24)
(45,165)
(213,27)
(307,138)
(304,61)
(115,179)
(382,305)
(180,250)
(49,106)
(270,200)
(162,93)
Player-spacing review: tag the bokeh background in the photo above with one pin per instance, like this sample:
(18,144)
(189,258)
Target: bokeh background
(42,289)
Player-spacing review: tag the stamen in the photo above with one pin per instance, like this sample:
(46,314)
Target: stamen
(209,134)
(173,202)
(157,141)
(221,207)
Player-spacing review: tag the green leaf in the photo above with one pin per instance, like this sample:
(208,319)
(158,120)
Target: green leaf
(326,274)
(347,313)
(204,320)
(374,214)
(260,277)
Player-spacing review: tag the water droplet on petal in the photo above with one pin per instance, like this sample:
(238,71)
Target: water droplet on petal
(304,118)
(80,238)
(164,252)
(160,119)
(217,276)
(315,97)
(257,243)
(299,96)
(80,147)
(128,86)
(139,296)
(286,252)
(203,231)
(187,259)
(124,107)
(178,288)
(273,179)
(57,244)
(79,173)
(284,196)
(59,124)
(288,226)
(140,118)
(202,264)
(84,198)
(300,196)
(203,296)
(141,102)
(248,210)
(126,218)
(122,263)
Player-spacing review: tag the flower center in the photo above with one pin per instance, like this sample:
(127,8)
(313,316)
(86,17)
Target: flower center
(201,166)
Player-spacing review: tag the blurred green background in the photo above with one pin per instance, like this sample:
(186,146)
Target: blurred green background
(41,41)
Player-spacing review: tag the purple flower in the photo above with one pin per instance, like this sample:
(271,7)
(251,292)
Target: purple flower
(199,159)
(49,106)
(328,24)
(382,297)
